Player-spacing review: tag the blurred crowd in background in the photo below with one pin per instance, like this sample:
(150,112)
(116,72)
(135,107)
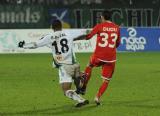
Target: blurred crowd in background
(71,2)
(64,2)
(77,13)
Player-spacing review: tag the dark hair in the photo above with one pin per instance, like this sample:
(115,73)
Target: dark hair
(56,24)
(106,14)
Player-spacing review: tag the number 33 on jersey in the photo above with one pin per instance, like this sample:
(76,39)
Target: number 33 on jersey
(108,39)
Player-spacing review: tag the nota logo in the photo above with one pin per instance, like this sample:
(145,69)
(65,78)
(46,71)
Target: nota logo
(133,42)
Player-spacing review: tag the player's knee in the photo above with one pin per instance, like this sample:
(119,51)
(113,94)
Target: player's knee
(77,65)
(90,65)
(106,79)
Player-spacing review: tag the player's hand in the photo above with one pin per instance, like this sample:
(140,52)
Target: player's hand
(88,31)
(21,44)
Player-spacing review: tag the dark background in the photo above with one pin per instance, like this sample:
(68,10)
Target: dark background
(77,13)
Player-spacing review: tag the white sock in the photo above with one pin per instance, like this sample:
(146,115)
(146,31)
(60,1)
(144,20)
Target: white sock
(73,95)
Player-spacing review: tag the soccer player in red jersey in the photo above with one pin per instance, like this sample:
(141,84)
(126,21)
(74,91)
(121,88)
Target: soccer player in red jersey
(108,39)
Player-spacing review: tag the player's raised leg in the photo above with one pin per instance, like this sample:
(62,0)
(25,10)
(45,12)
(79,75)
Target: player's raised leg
(77,76)
(88,72)
(94,62)
(85,77)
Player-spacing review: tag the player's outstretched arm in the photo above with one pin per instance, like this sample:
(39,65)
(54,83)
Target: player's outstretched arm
(81,37)
(39,43)
(31,45)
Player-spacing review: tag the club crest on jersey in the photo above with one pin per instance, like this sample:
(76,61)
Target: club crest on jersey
(59,58)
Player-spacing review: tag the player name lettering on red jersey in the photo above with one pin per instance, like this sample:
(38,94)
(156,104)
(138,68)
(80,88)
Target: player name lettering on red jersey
(112,29)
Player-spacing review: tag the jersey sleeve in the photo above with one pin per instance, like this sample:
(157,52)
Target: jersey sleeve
(93,32)
(44,41)
(69,34)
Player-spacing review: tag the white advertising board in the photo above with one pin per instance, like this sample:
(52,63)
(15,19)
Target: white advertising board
(9,39)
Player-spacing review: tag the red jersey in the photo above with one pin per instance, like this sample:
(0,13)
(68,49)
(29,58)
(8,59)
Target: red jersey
(108,39)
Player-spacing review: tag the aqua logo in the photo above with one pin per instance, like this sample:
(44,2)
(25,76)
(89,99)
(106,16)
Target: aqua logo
(133,42)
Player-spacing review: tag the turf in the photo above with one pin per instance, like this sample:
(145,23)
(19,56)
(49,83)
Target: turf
(29,86)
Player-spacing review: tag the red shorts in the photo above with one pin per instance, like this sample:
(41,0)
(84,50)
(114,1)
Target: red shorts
(107,67)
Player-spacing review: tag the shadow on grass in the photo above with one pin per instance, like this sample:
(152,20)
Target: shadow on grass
(136,103)
(155,72)
(71,110)
(57,110)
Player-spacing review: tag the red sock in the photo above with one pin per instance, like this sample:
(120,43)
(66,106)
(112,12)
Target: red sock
(88,72)
(102,89)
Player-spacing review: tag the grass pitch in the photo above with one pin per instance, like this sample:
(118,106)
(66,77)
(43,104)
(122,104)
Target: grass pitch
(29,86)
